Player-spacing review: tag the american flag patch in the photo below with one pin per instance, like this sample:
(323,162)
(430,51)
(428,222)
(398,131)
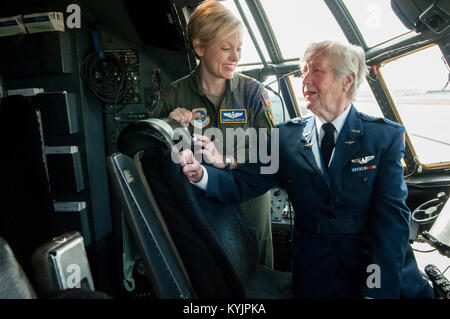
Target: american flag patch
(363,168)
(266,98)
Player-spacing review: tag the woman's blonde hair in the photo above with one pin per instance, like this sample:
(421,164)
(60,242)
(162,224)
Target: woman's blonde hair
(211,22)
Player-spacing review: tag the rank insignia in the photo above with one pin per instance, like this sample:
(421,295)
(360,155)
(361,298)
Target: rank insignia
(201,118)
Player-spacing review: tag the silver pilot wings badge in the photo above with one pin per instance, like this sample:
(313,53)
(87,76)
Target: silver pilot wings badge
(363,160)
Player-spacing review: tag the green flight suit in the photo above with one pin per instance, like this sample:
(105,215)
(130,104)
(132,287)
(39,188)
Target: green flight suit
(245,104)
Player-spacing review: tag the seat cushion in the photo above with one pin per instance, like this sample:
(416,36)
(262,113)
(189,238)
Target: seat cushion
(216,241)
(13,282)
(210,237)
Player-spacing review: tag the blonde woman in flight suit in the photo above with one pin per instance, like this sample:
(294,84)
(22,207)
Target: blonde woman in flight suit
(214,90)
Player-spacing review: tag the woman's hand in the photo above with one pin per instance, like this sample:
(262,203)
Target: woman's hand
(208,149)
(190,166)
(182,115)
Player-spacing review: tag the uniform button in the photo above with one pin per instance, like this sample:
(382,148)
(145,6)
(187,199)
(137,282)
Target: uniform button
(364,179)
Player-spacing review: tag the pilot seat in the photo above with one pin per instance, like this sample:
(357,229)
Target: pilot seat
(191,246)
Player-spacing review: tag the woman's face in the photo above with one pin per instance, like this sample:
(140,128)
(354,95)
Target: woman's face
(323,92)
(219,59)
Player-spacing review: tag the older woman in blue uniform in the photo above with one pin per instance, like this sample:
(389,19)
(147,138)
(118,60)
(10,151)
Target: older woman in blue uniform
(342,170)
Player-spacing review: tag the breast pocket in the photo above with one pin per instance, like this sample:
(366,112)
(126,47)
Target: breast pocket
(359,174)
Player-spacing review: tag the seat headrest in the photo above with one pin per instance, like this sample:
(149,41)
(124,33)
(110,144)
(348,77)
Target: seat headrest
(143,134)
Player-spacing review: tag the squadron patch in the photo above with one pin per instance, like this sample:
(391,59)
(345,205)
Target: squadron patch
(201,118)
(266,98)
(233,116)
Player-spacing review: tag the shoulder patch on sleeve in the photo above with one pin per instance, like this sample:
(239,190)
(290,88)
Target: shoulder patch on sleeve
(266,98)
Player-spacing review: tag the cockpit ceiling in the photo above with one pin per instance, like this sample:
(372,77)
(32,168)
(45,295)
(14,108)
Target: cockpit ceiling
(423,14)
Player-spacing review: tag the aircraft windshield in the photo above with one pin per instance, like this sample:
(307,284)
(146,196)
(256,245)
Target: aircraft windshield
(249,52)
(375,20)
(294,28)
(423,101)
(296,24)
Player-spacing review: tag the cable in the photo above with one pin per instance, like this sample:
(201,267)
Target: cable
(285,75)
(281,99)
(279,93)
(186,43)
(106,77)
(278,78)
(290,216)
(413,171)
(446,269)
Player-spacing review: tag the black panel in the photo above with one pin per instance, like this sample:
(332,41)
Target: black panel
(409,11)
(58,112)
(52,61)
(36,54)
(26,213)
(64,170)
(155,24)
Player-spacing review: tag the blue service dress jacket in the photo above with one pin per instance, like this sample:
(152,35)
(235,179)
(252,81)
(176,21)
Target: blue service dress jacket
(351,227)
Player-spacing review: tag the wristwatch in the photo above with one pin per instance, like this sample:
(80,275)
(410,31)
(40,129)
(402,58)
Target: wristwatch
(227,160)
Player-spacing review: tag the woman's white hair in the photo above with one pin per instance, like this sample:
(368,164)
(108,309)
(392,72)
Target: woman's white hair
(346,59)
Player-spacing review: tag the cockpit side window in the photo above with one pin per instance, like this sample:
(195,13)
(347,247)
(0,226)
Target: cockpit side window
(417,83)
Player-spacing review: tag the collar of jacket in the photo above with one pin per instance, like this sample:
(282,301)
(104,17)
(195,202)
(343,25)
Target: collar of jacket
(195,81)
(352,126)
